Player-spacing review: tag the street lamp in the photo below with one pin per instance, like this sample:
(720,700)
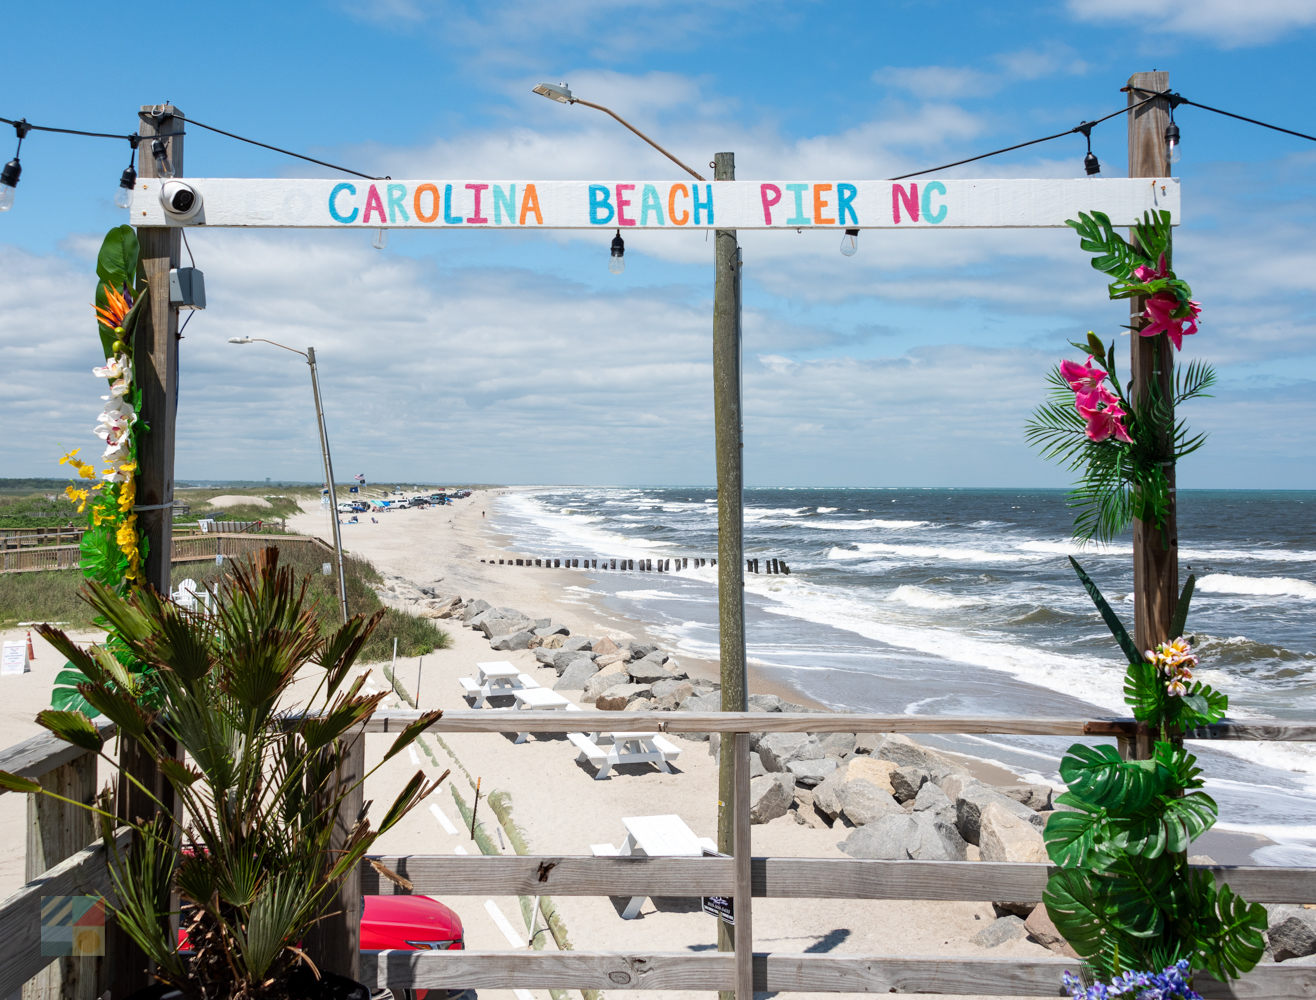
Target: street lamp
(309,355)
(729,429)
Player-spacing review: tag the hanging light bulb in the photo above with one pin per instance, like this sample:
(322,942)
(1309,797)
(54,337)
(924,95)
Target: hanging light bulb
(381,239)
(123,197)
(9,181)
(10,174)
(617,262)
(850,242)
(1172,142)
(162,165)
(1090,162)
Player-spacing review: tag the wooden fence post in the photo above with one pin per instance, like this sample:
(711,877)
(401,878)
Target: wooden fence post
(744,938)
(55,832)
(1155,551)
(334,944)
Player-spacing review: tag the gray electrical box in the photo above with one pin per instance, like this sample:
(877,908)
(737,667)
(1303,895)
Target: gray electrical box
(187,288)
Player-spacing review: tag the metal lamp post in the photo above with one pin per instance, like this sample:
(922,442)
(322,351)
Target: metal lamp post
(309,355)
(732,837)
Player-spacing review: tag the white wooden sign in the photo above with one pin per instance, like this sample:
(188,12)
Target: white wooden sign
(14,659)
(607,205)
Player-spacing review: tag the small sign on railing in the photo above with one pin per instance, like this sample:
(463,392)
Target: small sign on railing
(719,906)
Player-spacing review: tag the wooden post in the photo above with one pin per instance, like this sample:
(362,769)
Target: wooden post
(56,831)
(155,355)
(1155,551)
(730,519)
(334,944)
(744,928)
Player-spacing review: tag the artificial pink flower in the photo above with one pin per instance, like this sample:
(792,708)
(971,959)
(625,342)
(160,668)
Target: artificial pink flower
(1159,310)
(1145,274)
(1085,380)
(1104,423)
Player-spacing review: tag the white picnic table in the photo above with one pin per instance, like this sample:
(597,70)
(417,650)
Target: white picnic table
(541,698)
(654,837)
(494,678)
(606,750)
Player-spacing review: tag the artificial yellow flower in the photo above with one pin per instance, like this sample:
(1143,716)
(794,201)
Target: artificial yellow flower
(79,497)
(126,537)
(85,469)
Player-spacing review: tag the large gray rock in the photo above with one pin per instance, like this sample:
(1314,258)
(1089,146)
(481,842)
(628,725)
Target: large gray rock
(562,657)
(975,798)
(551,629)
(810,772)
(885,839)
(577,675)
(765,703)
(770,796)
(1042,930)
(756,768)
(670,686)
(639,650)
(866,743)
(545,656)
(839,745)
(932,799)
(601,682)
(937,839)
(578,642)
(651,668)
(1000,931)
(703,703)
(513,640)
(1292,932)
(779,749)
(476,607)
(488,615)
(1005,836)
(1035,797)
(862,801)
(906,781)
(827,796)
(905,752)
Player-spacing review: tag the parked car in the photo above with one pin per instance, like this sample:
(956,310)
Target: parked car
(415,923)
(411,922)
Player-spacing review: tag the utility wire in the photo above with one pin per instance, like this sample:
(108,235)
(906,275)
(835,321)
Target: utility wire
(1176,100)
(1084,127)
(285,152)
(66,131)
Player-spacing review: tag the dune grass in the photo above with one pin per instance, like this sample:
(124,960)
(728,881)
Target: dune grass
(53,596)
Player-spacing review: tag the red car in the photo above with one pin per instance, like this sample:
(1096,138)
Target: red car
(405,922)
(415,922)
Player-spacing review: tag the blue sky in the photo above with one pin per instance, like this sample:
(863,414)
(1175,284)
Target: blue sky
(519,358)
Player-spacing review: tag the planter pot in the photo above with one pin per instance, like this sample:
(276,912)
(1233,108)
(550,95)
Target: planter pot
(301,985)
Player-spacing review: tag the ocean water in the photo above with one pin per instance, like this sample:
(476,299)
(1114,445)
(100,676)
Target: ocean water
(962,602)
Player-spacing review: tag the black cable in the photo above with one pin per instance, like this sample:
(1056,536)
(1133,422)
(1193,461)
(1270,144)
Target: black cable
(68,131)
(1084,128)
(1175,99)
(309,159)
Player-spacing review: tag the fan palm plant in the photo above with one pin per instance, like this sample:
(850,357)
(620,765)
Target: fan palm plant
(257,780)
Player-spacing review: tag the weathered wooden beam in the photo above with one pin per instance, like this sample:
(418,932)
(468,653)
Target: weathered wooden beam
(44,753)
(84,874)
(498,721)
(781,878)
(788,973)
(57,830)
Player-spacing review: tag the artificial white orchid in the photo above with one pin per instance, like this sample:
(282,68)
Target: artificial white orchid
(115,368)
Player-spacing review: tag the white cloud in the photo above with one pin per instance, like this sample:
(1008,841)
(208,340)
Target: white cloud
(938,81)
(1229,23)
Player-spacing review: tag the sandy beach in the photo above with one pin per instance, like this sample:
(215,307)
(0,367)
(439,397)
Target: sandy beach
(553,799)
(558,803)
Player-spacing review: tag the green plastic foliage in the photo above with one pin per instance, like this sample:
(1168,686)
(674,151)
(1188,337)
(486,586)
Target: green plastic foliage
(1124,896)
(1108,615)
(117,262)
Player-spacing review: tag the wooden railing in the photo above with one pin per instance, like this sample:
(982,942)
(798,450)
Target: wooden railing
(742,877)
(185,548)
(21,538)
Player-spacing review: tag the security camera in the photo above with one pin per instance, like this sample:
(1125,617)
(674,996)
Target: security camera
(180,201)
